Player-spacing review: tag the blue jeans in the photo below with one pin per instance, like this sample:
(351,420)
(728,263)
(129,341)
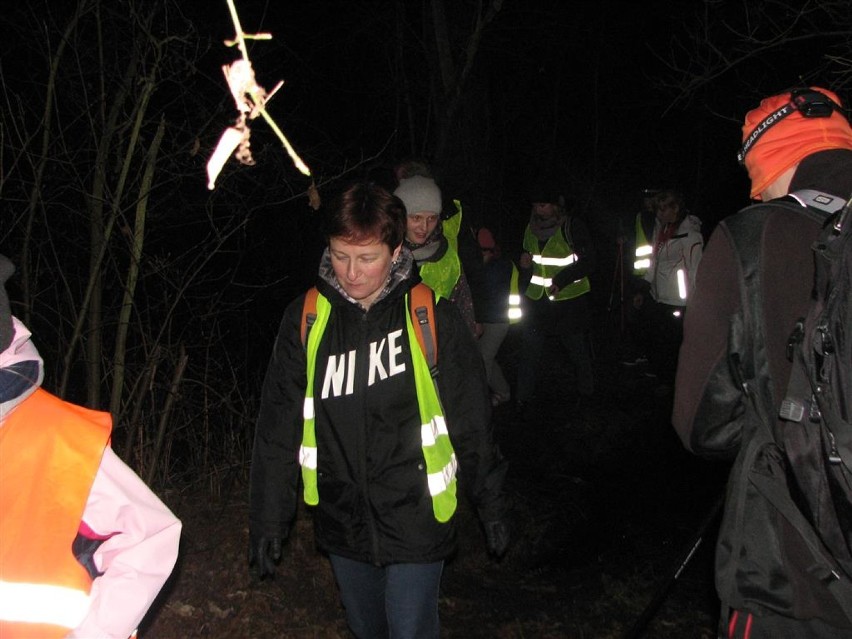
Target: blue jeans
(399,601)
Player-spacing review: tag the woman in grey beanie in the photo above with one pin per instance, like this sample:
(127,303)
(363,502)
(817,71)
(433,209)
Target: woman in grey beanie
(434,243)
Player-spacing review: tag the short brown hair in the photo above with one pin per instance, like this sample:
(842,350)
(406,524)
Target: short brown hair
(363,211)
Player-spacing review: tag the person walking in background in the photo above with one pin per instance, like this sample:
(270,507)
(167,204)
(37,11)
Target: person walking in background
(773,575)
(667,252)
(434,244)
(85,546)
(555,266)
(635,347)
(378,438)
(497,303)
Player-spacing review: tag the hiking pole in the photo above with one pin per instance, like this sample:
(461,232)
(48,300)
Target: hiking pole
(618,282)
(663,591)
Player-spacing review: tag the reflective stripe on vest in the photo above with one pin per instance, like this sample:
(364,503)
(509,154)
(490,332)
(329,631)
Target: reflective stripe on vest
(644,250)
(515,313)
(43,604)
(441,462)
(547,262)
(45,443)
(561,262)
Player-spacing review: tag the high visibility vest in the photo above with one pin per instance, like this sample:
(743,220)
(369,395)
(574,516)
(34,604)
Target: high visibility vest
(547,262)
(50,451)
(442,275)
(515,313)
(644,250)
(438,453)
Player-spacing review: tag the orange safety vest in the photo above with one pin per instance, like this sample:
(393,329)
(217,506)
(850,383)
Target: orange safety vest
(50,451)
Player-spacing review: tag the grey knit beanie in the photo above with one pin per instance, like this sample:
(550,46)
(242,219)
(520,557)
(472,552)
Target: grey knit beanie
(419,194)
(7,330)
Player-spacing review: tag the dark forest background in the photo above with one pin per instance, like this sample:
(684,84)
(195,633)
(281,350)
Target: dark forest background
(158,300)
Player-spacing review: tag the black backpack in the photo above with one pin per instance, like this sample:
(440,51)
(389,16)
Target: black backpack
(819,394)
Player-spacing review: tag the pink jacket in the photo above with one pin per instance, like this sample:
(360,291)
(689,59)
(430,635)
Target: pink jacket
(139,534)
(138,556)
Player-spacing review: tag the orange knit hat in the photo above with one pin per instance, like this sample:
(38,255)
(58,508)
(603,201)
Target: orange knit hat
(778,134)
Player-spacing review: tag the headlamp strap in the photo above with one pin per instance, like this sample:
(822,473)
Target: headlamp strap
(763,127)
(810,103)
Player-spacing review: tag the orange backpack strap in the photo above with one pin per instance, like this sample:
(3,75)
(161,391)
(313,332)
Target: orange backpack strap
(309,314)
(421,300)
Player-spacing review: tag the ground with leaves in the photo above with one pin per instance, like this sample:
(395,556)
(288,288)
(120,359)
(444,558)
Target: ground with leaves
(606,504)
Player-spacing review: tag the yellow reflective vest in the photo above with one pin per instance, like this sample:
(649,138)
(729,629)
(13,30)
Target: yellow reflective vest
(547,262)
(644,250)
(443,275)
(438,453)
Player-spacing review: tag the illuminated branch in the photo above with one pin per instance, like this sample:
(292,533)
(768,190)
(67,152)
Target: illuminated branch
(251,100)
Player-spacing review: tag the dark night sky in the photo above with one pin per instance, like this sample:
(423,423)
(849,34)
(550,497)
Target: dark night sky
(569,86)
(574,84)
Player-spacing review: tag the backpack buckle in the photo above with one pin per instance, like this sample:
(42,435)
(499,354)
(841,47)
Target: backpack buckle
(826,340)
(791,410)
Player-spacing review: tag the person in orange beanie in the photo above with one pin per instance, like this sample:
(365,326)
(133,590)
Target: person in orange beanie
(787,128)
(774,576)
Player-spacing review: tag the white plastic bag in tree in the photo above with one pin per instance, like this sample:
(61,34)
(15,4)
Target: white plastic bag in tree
(230,140)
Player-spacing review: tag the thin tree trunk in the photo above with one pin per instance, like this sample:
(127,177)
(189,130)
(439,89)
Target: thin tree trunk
(120,354)
(144,385)
(164,418)
(452,79)
(42,159)
(101,229)
(99,233)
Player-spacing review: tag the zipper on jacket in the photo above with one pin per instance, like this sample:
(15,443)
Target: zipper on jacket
(363,480)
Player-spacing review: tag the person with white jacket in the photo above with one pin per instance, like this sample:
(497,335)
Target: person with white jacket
(668,249)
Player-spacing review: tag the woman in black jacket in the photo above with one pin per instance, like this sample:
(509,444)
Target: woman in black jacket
(365,431)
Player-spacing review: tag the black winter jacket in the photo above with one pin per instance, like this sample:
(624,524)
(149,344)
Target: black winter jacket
(763,564)
(374,503)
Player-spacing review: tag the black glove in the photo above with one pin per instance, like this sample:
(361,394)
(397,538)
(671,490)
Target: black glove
(263,554)
(497,537)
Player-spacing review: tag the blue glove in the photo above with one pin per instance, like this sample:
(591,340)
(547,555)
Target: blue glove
(264,553)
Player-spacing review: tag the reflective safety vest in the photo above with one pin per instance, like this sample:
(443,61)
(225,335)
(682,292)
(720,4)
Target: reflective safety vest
(515,313)
(441,462)
(442,275)
(547,262)
(50,452)
(644,250)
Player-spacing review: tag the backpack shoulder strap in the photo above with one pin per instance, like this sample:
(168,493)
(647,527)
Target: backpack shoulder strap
(421,301)
(309,314)
(421,305)
(824,202)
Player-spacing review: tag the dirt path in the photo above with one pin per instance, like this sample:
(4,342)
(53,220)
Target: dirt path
(605,505)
